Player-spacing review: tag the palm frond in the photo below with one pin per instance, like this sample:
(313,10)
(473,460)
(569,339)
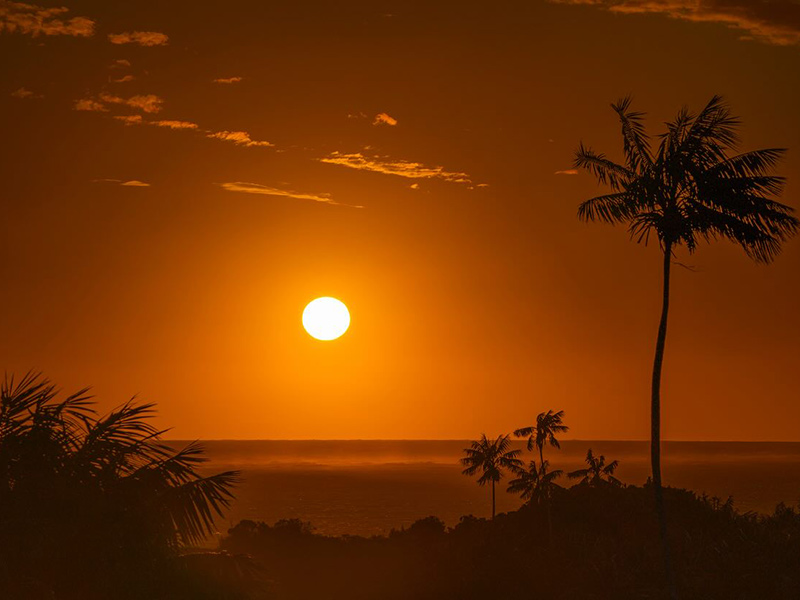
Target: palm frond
(606,171)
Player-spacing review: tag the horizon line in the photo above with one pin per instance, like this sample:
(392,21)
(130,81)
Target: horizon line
(201,439)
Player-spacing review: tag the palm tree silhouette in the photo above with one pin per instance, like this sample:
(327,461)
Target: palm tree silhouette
(692,188)
(104,487)
(490,457)
(598,472)
(535,484)
(544,432)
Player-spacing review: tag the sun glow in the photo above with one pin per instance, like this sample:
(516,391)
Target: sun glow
(326,318)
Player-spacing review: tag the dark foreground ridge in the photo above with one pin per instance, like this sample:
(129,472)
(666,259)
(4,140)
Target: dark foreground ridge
(604,545)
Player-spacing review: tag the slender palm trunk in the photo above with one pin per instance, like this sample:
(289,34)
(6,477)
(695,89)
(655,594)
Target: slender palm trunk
(546,501)
(493,500)
(655,426)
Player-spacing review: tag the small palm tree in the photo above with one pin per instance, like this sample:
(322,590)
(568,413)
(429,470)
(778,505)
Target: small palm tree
(598,472)
(535,484)
(693,187)
(491,458)
(544,432)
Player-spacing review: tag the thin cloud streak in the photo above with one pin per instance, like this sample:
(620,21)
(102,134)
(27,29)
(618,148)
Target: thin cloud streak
(240,138)
(88,104)
(29,19)
(149,103)
(174,124)
(25,94)
(228,80)
(142,38)
(567,172)
(123,183)
(256,188)
(401,168)
(775,22)
(384,119)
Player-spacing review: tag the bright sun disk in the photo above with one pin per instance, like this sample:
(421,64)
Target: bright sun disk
(326,318)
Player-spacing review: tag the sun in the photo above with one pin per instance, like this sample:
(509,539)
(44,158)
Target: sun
(326,318)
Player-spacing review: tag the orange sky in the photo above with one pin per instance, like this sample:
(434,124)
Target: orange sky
(477,297)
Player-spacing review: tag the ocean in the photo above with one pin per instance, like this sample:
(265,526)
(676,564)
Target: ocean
(366,487)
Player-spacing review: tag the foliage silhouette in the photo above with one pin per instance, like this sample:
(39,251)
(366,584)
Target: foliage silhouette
(544,432)
(535,484)
(95,506)
(598,472)
(607,548)
(491,458)
(693,187)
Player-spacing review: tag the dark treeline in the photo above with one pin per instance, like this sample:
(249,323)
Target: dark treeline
(605,545)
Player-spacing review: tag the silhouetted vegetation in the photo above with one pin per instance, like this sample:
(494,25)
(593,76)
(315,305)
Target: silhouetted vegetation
(605,547)
(97,507)
(693,187)
(491,458)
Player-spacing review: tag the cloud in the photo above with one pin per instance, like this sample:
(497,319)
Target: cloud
(89,104)
(170,124)
(148,103)
(228,80)
(130,119)
(414,186)
(120,62)
(122,182)
(402,168)
(175,124)
(24,94)
(384,119)
(774,22)
(123,79)
(142,38)
(567,172)
(29,19)
(256,188)
(240,138)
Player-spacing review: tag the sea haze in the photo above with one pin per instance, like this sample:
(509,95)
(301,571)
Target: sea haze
(366,487)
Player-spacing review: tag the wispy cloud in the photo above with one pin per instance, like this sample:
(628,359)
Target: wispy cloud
(25,94)
(29,19)
(123,79)
(175,124)
(228,80)
(567,172)
(120,62)
(240,138)
(130,119)
(89,104)
(148,103)
(402,168)
(142,38)
(256,188)
(122,182)
(774,22)
(384,119)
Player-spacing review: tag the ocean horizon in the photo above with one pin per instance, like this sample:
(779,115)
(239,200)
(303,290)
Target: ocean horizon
(369,487)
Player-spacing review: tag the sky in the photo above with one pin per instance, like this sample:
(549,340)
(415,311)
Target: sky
(180,179)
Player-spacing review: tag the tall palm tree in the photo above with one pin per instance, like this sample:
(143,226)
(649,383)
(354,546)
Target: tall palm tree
(105,487)
(692,187)
(544,432)
(598,472)
(491,458)
(535,484)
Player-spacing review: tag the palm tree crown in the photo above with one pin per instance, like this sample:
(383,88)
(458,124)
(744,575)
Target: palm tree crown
(60,455)
(691,187)
(534,483)
(544,432)
(491,458)
(597,472)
